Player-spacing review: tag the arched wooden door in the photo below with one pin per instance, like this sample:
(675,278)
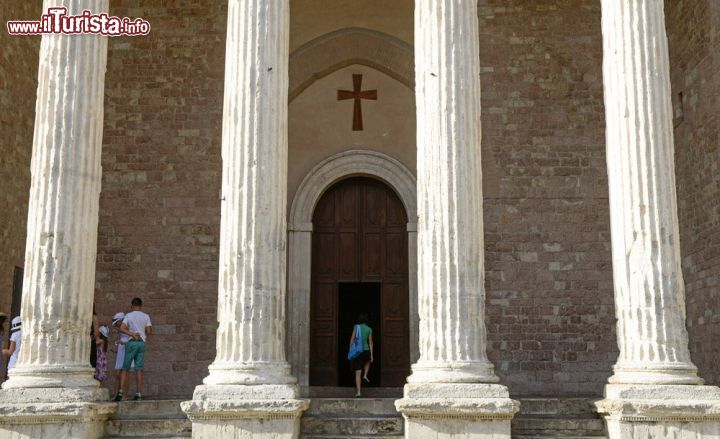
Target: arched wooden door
(359,263)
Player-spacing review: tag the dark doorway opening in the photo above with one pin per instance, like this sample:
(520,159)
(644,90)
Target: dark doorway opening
(353,299)
(17,292)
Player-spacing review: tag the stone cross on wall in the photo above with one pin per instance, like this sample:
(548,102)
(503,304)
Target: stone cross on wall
(357,94)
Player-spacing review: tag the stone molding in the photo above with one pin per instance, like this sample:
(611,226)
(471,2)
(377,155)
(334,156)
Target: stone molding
(329,171)
(245,409)
(354,162)
(55,413)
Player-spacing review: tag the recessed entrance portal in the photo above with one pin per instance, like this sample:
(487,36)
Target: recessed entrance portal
(353,299)
(359,263)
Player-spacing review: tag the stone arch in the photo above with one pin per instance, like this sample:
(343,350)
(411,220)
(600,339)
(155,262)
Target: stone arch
(352,163)
(333,51)
(326,173)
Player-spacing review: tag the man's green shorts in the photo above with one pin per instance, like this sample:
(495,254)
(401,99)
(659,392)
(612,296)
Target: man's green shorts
(134,350)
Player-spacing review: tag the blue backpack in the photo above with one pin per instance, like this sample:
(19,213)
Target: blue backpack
(356,348)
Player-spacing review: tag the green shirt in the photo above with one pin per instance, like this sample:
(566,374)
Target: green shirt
(365,332)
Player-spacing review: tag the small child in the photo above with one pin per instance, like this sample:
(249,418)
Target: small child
(101,347)
(13,350)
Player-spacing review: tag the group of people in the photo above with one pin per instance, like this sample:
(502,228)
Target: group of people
(133,329)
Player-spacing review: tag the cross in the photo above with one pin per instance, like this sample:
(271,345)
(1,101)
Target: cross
(357,94)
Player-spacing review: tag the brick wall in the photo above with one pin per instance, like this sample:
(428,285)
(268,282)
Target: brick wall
(694,34)
(550,302)
(18,84)
(550,305)
(159,207)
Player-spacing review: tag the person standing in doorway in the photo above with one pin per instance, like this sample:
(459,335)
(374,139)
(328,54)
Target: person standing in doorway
(140,328)
(361,364)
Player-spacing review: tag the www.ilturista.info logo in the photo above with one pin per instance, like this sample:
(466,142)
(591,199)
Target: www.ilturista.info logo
(57,21)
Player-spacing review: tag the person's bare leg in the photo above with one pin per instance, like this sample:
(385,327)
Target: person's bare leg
(126,387)
(358,380)
(366,369)
(138,381)
(123,379)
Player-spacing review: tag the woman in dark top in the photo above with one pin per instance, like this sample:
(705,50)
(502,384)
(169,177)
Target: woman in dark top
(362,363)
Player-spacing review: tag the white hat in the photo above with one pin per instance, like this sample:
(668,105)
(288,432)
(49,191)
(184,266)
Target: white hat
(118,316)
(104,330)
(15,324)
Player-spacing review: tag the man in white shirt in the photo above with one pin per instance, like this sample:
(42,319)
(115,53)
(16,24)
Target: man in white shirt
(136,324)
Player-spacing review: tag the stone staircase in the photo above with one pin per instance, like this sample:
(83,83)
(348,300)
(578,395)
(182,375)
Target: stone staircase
(149,419)
(557,418)
(352,418)
(334,415)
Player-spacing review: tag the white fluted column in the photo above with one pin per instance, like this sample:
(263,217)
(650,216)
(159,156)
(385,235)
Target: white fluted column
(251,291)
(51,391)
(451,390)
(63,210)
(250,363)
(655,391)
(649,287)
(450,229)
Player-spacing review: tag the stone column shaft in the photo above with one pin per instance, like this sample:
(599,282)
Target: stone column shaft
(452,392)
(655,391)
(63,210)
(649,287)
(251,297)
(250,391)
(450,230)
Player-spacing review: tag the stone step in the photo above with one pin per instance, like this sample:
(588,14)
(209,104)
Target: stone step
(349,392)
(333,436)
(376,426)
(148,428)
(156,436)
(561,426)
(352,407)
(557,406)
(554,436)
(150,409)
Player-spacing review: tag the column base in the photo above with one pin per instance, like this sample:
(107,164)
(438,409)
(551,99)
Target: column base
(661,411)
(455,411)
(662,373)
(66,413)
(236,411)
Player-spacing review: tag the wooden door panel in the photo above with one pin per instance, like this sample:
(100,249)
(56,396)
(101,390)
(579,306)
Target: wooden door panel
(347,201)
(374,208)
(325,267)
(348,255)
(324,301)
(396,255)
(394,302)
(325,214)
(396,218)
(372,256)
(360,234)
